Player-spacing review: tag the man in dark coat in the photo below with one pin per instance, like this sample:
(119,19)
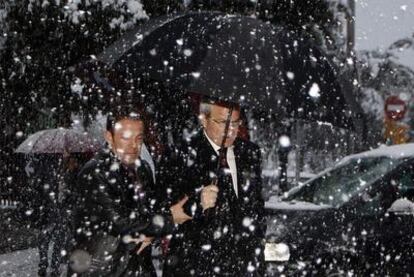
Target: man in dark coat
(226,235)
(116,214)
(43,200)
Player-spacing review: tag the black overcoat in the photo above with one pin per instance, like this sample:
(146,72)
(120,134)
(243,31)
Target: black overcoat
(231,241)
(111,203)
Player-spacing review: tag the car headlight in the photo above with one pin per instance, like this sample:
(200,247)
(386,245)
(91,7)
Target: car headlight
(278,252)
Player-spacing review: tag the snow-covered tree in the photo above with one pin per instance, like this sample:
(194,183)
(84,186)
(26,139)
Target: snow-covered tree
(41,41)
(384,73)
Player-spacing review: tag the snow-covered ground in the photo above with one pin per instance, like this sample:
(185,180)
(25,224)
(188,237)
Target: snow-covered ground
(19,263)
(24,263)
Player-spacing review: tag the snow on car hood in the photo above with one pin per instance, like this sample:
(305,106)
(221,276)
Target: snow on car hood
(276,204)
(393,152)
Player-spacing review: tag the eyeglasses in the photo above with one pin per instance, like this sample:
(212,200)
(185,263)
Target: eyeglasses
(222,122)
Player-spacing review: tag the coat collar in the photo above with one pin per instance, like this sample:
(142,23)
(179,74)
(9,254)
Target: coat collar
(208,150)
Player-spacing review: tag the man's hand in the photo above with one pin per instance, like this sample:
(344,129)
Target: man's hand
(209,196)
(177,211)
(143,240)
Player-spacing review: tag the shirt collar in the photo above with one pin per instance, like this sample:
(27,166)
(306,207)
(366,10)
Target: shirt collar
(214,145)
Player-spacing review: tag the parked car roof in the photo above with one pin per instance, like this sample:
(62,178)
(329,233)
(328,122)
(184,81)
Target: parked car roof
(396,152)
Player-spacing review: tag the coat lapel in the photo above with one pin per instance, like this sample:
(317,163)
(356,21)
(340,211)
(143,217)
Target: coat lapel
(208,151)
(205,160)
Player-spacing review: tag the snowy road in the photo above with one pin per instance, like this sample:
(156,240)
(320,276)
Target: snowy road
(23,263)
(19,263)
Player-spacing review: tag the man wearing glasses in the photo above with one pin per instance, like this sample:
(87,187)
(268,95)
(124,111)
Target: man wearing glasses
(226,235)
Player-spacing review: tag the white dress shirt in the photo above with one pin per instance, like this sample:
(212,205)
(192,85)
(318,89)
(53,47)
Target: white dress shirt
(146,156)
(231,161)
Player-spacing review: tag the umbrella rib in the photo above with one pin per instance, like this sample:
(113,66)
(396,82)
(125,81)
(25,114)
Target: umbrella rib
(56,134)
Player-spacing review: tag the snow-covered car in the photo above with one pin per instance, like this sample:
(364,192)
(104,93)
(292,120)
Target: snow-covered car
(356,217)
(271,179)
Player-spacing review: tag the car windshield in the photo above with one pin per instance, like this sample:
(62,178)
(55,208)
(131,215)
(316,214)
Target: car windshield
(340,184)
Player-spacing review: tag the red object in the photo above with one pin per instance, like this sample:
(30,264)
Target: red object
(195,99)
(395,108)
(165,244)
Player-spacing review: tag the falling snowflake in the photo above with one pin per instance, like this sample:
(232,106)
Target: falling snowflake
(315,91)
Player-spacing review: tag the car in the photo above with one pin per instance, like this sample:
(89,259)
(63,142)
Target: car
(356,218)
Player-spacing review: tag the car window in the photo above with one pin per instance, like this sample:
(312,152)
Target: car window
(372,204)
(377,200)
(404,182)
(343,182)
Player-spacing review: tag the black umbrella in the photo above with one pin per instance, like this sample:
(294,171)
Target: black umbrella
(237,59)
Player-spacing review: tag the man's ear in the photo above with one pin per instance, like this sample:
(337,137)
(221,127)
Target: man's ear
(109,138)
(203,120)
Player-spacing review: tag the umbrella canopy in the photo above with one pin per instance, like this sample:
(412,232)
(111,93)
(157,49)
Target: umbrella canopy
(237,59)
(58,141)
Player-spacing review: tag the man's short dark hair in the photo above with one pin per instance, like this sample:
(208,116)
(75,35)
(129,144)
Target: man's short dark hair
(116,116)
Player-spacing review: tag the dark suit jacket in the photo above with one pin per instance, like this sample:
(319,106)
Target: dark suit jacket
(109,203)
(231,242)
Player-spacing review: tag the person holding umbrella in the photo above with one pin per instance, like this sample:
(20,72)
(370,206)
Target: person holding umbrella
(45,208)
(51,177)
(55,156)
(220,174)
(237,59)
(117,214)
